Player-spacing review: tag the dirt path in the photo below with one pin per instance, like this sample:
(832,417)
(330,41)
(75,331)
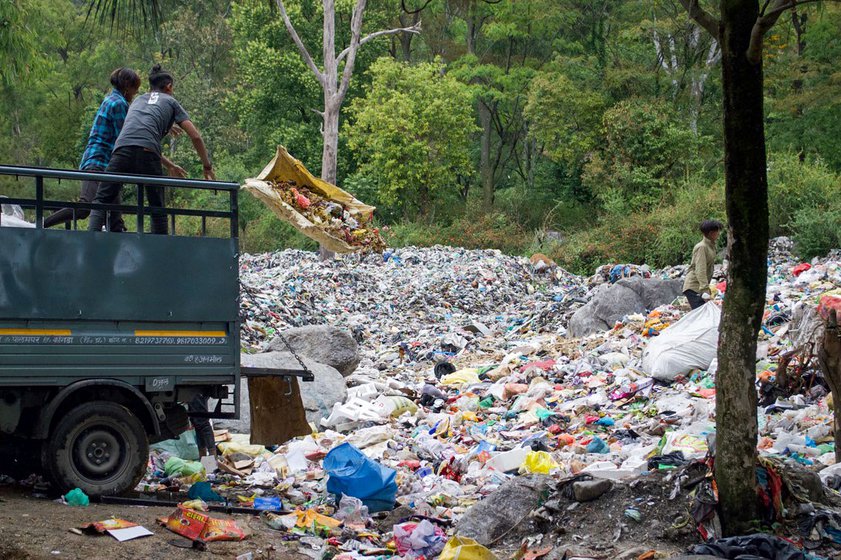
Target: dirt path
(33,529)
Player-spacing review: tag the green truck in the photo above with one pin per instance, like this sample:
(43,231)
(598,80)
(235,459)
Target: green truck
(105,336)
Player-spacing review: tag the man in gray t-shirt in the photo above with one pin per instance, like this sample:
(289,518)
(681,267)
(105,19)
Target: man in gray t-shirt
(138,147)
(149,119)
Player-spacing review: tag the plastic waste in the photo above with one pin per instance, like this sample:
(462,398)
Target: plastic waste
(386,406)
(352,512)
(354,474)
(178,467)
(268,503)
(538,462)
(463,548)
(203,491)
(184,446)
(597,445)
(422,539)
(77,498)
(461,377)
(509,460)
(688,344)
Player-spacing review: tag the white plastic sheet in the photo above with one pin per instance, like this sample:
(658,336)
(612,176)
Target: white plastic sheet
(686,345)
(12,216)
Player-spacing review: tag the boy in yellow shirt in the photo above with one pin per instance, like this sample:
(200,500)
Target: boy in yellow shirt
(696,286)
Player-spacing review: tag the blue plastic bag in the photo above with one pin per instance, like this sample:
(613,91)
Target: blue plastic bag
(354,474)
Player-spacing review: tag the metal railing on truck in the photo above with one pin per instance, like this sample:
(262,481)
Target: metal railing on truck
(141,209)
(40,204)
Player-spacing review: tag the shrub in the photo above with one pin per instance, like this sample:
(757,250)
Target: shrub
(816,231)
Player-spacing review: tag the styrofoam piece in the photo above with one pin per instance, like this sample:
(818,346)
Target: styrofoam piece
(354,409)
(608,470)
(367,392)
(509,460)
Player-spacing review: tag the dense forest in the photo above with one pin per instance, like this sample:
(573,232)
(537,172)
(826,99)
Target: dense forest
(589,130)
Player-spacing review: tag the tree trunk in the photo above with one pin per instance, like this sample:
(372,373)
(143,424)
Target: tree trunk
(330,149)
(829,357)
(746,190)
(329,154)
(485,166)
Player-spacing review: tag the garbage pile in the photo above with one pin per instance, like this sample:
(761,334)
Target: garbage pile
(328,215)
(407,305)
(467,384)
(473,425)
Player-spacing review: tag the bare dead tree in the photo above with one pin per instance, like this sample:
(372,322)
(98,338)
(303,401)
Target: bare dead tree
(335,82)
(667,55)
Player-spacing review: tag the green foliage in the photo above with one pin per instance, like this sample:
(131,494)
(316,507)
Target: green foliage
(412,133)
(645,152)
(660,237)
(795,187)
(475,230)
(816,230)
(563,110)
(804,112)
(565,116)
(17,40)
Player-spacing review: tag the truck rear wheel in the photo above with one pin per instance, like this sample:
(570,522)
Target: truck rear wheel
(100,447)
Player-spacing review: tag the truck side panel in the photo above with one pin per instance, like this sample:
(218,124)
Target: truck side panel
(89,276)
(152,311)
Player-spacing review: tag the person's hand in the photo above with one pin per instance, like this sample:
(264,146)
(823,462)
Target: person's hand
(705,296)
(209,175)
(178,172)
(176,131)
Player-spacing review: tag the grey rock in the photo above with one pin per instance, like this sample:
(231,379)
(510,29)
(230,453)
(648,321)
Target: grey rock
(502,510)
(318,396)
(328,345)
(612,302)
(589,490)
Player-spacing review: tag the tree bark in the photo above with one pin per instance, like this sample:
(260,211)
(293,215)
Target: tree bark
(485,166)
(330,137)
(746,191)
(829,357)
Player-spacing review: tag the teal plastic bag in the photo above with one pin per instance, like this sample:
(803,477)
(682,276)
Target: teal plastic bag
(354,474)
(184,447)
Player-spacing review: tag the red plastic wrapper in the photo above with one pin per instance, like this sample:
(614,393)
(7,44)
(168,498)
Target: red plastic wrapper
(828,302)
(107,525)
(198,526)
(800,268)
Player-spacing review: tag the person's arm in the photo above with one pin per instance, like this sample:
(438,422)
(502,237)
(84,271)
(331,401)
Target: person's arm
(201,150)
(173,169)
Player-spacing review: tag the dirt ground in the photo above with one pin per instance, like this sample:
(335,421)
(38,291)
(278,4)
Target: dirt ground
(32,528)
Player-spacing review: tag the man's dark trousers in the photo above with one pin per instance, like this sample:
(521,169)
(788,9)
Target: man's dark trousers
(132,160)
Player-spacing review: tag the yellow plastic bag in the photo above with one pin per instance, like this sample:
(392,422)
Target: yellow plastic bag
(231,447)
(462,548)
(461,377)
(538,462)
(285,167)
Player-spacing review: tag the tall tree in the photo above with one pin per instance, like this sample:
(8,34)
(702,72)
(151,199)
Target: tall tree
(740,31)
(334,83)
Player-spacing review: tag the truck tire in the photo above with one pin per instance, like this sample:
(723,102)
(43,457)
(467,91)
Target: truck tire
(100,447)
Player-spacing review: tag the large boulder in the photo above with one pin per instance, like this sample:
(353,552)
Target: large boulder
(505,508)
(627,296)
(318,395)
(325,344)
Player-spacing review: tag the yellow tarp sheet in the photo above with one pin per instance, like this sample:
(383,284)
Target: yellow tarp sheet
(286,168)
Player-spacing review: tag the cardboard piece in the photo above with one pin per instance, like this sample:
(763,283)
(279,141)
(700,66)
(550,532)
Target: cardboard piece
(276,417)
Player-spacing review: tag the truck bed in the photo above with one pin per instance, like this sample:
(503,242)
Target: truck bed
(150,310)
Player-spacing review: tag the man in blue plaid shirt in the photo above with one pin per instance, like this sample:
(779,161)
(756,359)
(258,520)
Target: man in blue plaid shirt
(104,132)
